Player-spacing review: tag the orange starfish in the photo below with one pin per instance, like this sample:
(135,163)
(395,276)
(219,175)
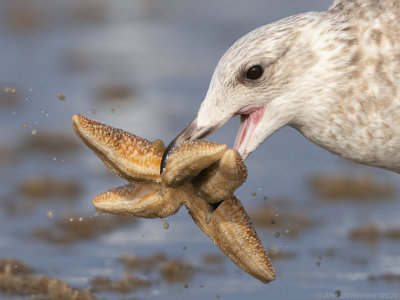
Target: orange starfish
(149,195)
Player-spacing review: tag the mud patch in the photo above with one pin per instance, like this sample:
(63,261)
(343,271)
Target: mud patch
(361,261)
(51,142)
(46,186)
(330,253)
(287,224)
(213,263)
(19,281)
(145,264)
(74,228)
(340,187)
(126,285)
(14,267)
(171,270)
(89,11)
(176,271)
(372,234)
(388,277)
(35,190)
(7,155)
(116,91)
(9,97)
(23,15)
(213,259)
(277,254)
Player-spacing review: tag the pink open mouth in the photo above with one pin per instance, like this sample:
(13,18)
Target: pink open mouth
(250,116)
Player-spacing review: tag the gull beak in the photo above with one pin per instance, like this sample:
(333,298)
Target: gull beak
(191,132)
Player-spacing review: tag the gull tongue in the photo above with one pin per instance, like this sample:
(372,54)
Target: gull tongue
(239,144)
(248,123)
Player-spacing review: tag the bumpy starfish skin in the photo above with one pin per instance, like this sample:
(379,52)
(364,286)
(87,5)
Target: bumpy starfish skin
(143,200)
(159,146)
(189,159)
(219,181)
(127,155)
(230,228)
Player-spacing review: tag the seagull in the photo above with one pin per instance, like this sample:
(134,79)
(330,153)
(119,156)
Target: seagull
(334,76)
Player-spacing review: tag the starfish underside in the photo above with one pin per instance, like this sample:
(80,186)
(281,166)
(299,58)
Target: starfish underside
(193,172)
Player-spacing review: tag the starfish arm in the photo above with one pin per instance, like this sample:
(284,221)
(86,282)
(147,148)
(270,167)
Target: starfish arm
(220,180)
(143,200)
(127,155)
(231,231)
(189,159)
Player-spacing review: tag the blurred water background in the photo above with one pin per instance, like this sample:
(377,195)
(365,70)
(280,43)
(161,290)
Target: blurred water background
(144,66)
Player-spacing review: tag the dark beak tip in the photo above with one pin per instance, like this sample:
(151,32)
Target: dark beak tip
(167,151)
(163,162)
(190,132)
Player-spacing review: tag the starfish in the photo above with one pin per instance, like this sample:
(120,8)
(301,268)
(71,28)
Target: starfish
(150,195)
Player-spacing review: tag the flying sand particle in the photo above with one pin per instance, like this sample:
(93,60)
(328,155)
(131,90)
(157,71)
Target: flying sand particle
(338,293)
(61,96)
(10,90)
(165,225)
(50,214)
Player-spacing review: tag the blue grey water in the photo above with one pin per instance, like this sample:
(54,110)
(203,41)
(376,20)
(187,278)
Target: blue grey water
(166,52)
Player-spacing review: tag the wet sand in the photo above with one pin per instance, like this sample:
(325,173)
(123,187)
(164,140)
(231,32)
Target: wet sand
(331,227)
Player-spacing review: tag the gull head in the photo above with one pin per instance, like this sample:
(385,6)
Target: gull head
(265,78)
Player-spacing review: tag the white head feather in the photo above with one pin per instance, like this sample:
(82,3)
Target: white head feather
(291,56)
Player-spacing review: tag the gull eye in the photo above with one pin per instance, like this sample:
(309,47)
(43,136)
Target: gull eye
(254,72)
